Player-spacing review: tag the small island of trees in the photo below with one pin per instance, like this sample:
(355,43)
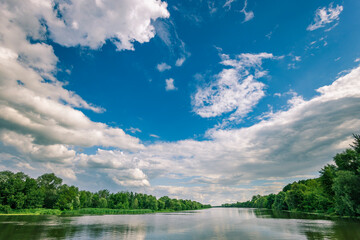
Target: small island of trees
(335,192)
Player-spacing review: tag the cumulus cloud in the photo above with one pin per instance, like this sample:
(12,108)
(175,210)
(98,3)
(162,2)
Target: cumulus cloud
(123,169)
(163,67)
(91,23)
(130,178)
(234,89)
(40,117)
(169,84)
(325,16)
(289,144)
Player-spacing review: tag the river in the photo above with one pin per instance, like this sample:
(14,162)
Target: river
(215,223)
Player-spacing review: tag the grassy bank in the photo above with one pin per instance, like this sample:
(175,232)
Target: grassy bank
(83,211)
(35,211)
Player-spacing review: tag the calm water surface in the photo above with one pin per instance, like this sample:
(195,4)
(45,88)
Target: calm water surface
(216,223)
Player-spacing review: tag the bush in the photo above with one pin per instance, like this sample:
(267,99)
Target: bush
(5,208)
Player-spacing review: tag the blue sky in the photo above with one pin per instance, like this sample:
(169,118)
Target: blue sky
(209,100)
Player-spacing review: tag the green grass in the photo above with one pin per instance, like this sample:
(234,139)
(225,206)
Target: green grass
(82,211)
(35,211)
(105,211)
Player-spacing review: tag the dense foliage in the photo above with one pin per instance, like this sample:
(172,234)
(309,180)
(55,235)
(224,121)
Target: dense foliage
(336,191)
(19,191)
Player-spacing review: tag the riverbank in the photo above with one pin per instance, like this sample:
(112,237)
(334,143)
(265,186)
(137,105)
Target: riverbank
(83,211)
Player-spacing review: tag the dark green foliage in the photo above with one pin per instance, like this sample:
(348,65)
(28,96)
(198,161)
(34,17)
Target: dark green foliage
(327,177)
(49,184)
(21,194)
(347,193)
(279,202)
(336,191)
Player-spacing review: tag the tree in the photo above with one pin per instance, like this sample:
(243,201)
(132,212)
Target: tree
(68,198)
(135,204)
(34,194)
(349,160)
(356,143)
(279,202)
(103,203)
(327,177)
(50,184)
(295,196)
(347,193)
(85,199)
(270,200)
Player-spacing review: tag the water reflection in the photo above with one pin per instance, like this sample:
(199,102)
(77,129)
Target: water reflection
(217,223)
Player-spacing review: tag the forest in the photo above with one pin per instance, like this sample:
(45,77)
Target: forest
(18,191)
(335,192)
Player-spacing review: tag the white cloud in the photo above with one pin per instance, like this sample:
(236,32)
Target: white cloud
(133,130)
(228,3)
(110,159)
(166,31)
(161,67)
(61,171)
(180,61)
(325,16)
(169,84)
(24,165)
(234,89)
(130,178)
(25,144)
(248,15)
(92,23)
(211,6)
(289,144)
(154,136)
(40,118)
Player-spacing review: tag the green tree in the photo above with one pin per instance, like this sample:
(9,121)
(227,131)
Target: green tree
(68,198)
(103,203)
(135,204)
(347,193)
(279,202)
(327,177)
(34,194)
(50,184)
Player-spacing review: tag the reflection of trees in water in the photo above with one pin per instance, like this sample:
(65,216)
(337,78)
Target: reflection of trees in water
(26,227)
(266,213)
(98,231)
(53,227)
(320,228)
(215,223)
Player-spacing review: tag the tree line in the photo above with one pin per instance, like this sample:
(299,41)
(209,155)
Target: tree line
(335,192)
(19,191)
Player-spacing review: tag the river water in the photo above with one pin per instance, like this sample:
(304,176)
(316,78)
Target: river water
(215,223)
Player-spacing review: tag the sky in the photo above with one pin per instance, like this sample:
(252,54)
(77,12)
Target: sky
(213,101)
